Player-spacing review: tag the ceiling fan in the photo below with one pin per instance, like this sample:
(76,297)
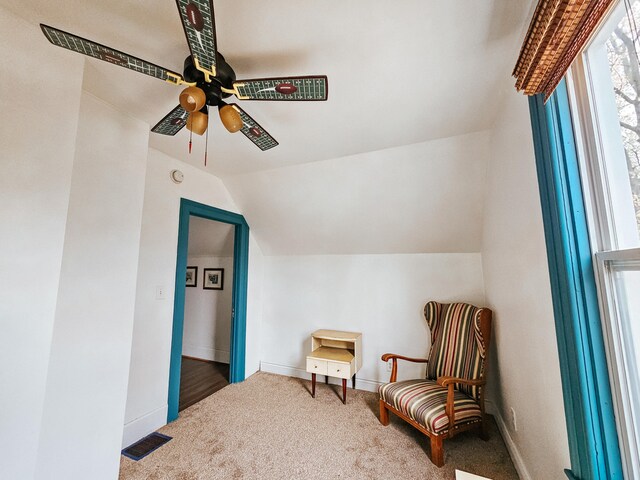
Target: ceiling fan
(208,77)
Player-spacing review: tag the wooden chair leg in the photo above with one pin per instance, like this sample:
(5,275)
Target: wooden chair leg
(384,413)
(484,429)
(437,453)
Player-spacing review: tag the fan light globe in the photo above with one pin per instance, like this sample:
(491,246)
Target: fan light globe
(197,122)
(230,118)
(192,99)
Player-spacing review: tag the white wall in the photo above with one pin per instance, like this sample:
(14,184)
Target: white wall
(39,101)
(87,378)
(255,299)
(381,296)
(363,242)
(208,237)
(150,356)
(207,313)
(526,373)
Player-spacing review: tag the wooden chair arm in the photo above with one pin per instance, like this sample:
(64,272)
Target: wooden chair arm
(446,381)
(450,382)
(387,356)
(448,409)
(394,367)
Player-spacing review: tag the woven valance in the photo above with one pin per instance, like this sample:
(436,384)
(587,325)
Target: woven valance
(558,32)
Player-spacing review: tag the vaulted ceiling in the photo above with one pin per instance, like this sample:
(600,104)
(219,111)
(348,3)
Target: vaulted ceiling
(399,72)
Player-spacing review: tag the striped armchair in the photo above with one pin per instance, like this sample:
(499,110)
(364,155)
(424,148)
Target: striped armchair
(451,397)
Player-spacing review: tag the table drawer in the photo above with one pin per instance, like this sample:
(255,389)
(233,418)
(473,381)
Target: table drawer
(316,366)
(339,370)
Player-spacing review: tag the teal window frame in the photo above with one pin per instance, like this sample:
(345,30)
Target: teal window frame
(190,208)
(591,427)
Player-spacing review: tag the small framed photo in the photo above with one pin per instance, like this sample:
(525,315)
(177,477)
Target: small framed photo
(192,277)
(213,279)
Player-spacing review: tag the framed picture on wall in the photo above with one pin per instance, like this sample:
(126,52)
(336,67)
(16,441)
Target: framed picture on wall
(192,277)
(213,279)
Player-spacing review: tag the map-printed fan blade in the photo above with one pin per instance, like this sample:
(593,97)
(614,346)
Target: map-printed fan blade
(254,132)
(108,54)
(200,29)
(282,88)
(173,122)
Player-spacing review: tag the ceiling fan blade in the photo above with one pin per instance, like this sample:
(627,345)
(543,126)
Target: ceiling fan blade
(108,54)
(254,132)
(172,123)
(313,87)
(200,29)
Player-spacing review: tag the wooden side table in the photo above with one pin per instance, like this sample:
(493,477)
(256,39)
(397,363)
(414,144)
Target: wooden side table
(335,354)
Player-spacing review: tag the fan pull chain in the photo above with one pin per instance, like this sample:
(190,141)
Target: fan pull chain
(190,137)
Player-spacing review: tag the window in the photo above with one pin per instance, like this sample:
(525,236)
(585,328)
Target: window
(605,94)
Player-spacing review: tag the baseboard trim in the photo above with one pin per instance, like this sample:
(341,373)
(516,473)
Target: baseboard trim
(206,353)
(143,426)
(361,383)
(516,458)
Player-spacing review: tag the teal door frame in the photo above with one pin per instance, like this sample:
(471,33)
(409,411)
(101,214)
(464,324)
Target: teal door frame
(190,208)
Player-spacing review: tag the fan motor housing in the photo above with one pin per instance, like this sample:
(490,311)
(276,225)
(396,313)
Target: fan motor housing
(225,76)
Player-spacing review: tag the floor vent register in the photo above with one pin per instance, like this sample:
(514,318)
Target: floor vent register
(144,447)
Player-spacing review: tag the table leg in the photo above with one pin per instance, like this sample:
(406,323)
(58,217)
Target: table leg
(326,379)
(313,385)
(344,390)
(353,381)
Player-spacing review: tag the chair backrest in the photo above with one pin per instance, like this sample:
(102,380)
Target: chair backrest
(459,342)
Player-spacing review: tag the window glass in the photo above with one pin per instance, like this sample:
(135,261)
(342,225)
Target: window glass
(625,78)
(626,278)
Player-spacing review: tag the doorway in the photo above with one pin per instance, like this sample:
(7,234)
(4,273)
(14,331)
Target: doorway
(207,310)
(189,210)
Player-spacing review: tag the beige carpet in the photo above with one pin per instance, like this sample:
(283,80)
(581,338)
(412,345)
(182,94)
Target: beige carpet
(269,427)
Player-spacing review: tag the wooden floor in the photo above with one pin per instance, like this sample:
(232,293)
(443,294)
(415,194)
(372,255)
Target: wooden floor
(199,379)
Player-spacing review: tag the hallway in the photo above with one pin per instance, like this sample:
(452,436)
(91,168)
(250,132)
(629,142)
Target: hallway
(199,379)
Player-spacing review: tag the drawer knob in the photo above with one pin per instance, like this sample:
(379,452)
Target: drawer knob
(315,366)
(337,370)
